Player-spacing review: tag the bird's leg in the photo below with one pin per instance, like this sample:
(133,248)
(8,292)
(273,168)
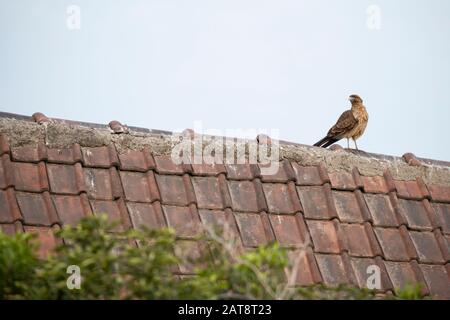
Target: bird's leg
(355,144)
(348,144)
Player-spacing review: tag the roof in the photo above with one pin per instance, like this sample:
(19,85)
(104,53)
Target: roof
(348,209)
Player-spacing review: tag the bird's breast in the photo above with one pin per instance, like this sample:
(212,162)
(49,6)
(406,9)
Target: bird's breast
(362,117)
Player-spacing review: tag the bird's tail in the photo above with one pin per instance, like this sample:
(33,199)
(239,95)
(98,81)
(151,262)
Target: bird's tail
(326,142)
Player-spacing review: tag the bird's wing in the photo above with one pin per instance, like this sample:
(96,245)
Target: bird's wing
(345,123)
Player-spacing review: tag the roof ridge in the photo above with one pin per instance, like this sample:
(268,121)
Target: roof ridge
(95,125)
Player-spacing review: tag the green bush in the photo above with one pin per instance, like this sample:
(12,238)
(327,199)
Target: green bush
(140,264)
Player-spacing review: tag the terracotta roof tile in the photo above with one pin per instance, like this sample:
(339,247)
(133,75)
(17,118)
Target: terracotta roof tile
(37,208)
(30,177)
(165,165)
(184,220)
(307,176)
(332,269)
(415,214)
(403,273)
(146,214)
(348,207)
(408,190)
(426,247)
(242,171)
(392,244)
(4,144)
(173,189)
(381,210)
(317,202)
(308,272)
(443,216)
(113,210)
(6,172)
(208,192)
(284,173)
(342,181)
(65,179)
(100,157)
(246,196)
(325,236)
(251,229)
(359,240)
(281,198)
(439,193)
(98,183)
(29,153)
(375,184)
(139,186)
(437,279)
(64,155)
(289,230)
(206,169)
(9,210)
(71,209)
(134,160)
(443,244)
(222,219)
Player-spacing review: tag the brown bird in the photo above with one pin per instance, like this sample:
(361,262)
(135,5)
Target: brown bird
(350,125)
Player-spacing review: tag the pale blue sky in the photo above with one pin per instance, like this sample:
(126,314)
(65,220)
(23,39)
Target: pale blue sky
(286,65)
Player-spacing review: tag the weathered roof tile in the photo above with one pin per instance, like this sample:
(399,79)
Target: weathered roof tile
(317,202)
(100,157)
(307,176)
(375,184)
(71,209)
(289,230)
(381,210)
(437,279)
(392,244)
(332,269)
(342,181)
(37,208)
(325,236)
(426,247)
(146,214)
(347,207)
(251,229)
(208,192)
(137,160)
(30,177)
(65,179)
(440,193)
(9,210)
(281,198)
(415,214)
(184,220)
(173,190)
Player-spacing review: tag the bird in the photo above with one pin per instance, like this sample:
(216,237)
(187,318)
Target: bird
(350,125)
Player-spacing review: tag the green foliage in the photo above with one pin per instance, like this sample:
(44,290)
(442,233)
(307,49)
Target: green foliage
(412,291)
(17,263)
(139,264)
